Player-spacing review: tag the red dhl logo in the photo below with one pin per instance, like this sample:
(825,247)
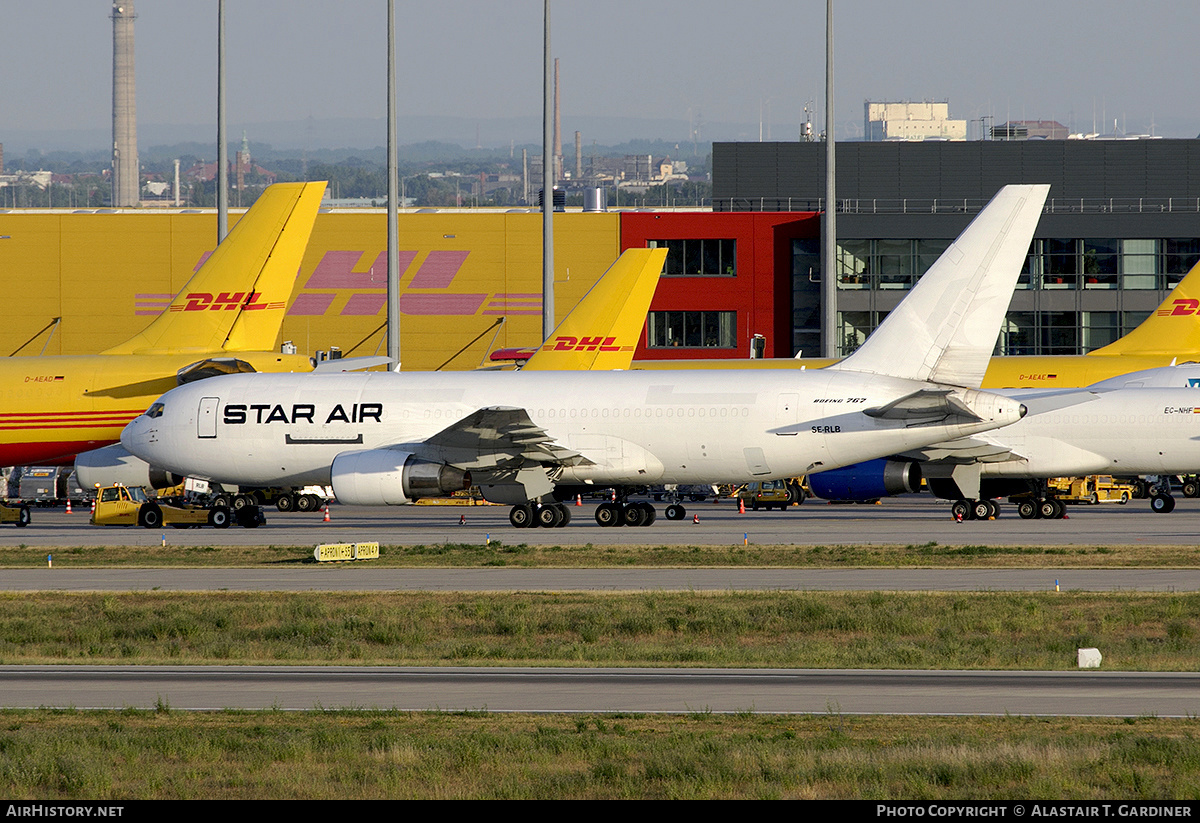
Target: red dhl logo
(567,343)
(1181,307)
(203,301)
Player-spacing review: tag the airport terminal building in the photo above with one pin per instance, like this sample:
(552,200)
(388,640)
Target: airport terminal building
(1122,225)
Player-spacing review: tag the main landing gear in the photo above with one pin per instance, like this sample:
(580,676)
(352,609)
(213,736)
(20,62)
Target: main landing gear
(627,514)
(974,509)
(1046,509)
(546,515)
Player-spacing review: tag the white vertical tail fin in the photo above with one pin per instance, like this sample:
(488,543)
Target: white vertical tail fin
(945,329)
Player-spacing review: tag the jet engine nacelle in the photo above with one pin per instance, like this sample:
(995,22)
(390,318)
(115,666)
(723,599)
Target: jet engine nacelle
(113,465)
(386,477)
(867,481)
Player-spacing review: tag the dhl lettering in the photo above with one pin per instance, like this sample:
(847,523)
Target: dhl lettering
(568,343)
(236,414)
(203,301)
(1181,307)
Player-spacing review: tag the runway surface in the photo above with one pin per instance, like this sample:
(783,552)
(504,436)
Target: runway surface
(605,690)
(911,519)
(312,577)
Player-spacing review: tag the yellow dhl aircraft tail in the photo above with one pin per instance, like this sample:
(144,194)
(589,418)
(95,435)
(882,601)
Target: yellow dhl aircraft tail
(236,301)
(1174,329)
(602,332)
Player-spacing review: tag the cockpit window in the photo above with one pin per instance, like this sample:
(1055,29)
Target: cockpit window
(155,411)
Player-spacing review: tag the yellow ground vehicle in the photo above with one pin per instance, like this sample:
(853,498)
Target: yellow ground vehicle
(121,506)
(16,513)
(769,494)
(1095,488)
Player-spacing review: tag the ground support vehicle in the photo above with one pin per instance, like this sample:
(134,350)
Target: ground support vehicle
(14,512)
(122,506)
(1093,489)
(771,494)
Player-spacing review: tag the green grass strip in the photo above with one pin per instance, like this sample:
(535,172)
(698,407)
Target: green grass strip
(128,755)
(1000,630)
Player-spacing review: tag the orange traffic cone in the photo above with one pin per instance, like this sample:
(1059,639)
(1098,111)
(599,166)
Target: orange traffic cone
(579,500)
(68,505)
(741,506)
(326,520)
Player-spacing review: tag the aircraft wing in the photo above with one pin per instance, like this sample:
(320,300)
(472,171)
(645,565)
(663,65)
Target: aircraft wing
(497,437)
(975,449)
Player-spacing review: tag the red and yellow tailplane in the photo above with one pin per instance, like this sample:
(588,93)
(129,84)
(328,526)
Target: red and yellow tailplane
(237,300)
(602,332)
(1174,329)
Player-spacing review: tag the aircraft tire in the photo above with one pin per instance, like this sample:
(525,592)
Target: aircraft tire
(675,512)
(961,510)
(220,500)
(549,517)
(566,515)
(633,514)
(150,516)
(981,510)
(305,503)
(249,517)
(285,502)
(1191,489)
(218,517)
(608,514)
(1027,509)
(23,517)
(651,514)
(1047,510)
(1162,504)
(521,516)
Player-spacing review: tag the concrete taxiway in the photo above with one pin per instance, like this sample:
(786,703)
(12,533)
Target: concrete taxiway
(912,519)
(1163,694)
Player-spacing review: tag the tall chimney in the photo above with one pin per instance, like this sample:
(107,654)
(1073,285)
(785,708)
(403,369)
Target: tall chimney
(125,179)
(578,155)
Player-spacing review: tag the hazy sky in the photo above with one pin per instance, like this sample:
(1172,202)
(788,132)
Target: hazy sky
(1069,60)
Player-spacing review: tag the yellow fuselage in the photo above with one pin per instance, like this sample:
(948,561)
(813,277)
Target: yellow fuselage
(52,408)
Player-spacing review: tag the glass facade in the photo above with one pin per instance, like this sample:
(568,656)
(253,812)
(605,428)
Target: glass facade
(1052,264)
(693,329)
(705,258)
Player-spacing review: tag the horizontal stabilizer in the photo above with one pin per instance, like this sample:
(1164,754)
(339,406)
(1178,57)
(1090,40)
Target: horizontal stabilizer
(344,364)
(924,405)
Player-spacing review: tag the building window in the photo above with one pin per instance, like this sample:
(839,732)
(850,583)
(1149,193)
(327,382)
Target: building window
(1139,264)
(853,328)
(693,329)
(1179,257)
(703,258)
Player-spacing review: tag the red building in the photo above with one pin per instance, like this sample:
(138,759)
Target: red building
(728,278)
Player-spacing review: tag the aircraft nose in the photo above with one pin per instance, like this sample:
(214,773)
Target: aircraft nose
(134,437)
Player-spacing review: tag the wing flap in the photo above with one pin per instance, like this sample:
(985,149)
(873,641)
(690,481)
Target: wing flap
(497,437)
